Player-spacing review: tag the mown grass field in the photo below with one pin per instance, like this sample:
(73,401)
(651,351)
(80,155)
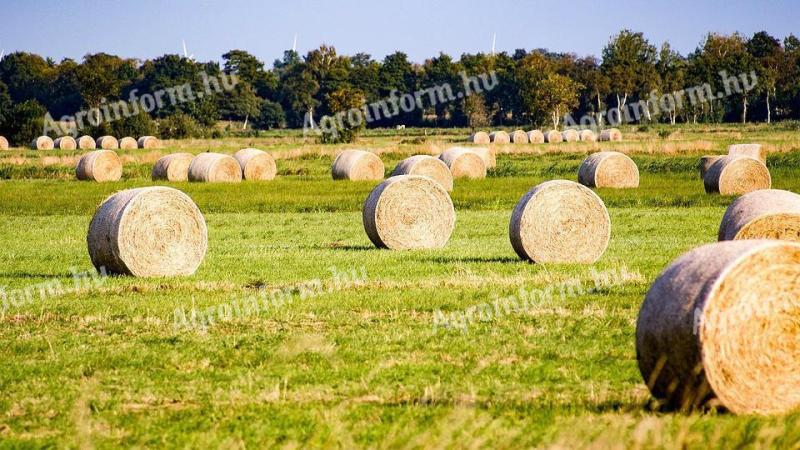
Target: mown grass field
(358,363)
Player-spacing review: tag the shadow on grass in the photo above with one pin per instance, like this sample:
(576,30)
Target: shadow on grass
(473,259)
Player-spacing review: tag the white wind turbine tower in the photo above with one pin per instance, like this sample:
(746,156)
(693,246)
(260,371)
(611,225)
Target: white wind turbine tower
(494,41)
(294,45)
(186,52)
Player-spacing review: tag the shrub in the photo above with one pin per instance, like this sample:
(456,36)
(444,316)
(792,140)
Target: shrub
(178,126)
(271,116)
(138,125)
(25,122)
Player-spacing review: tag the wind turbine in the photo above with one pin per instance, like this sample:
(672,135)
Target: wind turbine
(186,52)
(494,41)
(294,45)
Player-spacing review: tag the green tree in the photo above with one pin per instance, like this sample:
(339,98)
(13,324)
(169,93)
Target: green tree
(25,123)
(728,63)
(629,63)
(671,68)
(343,100)
(769,58)
(27,76)
(271,116)
(103,76)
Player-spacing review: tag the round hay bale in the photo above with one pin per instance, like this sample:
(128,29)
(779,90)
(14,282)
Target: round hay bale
(357,165)
(736,175)
(480,137)
(560,221)
(500,137)
(107,143)
(148,232)
(173,167)
(519,137)
(764,214)
(42,143)
(756,151)
(148,142)
(86,143)
(608,170)
(256,164)
(3,143)
(215,168)
(610,135)
(99,165)
(706,162)
(536,137)
(409,212)
(128,143)
(426,166)
(553,137)
(464,162)
(587,136)
(720,323)
(65,143)
(488,156)
(570,136)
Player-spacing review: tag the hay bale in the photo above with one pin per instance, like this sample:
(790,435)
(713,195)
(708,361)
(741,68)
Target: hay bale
(357,165)
(570,136)
(536,137)
(608,170)
(464,162)
(756,151)
(107,143)
(148,142)
(553,137)
(256,164)
(519,137)
(215,168)
(488,156)
(3,143)
(173,167)
(764,214)
(86,143)
(480,137)
(426,166)
(610,135)
(587,136)
(719,326)
(99,165)
(65,143)
(148,232)
(560,221)
(409,212)
(500,137)
(128,143)
(706,162)
(42,143)
(736,175)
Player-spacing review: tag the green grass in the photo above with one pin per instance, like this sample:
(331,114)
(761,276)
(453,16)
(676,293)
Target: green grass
(357,364)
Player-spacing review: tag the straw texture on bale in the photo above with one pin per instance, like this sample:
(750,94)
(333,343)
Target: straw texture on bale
(3,143)
(519,137)
(215,168)
(535,137)
(357,165)
(570,135)
(736,175)
(553,137)
(706,162)
(65,143)
(719,326)
(426,166)
(42,143)
(107,143)
(86,143)
(128,143)
(148,232)
(480,137)
(256,164)
(611,134)
(500,137)
(173,167)
(608,170)
(148,142)
(409,212)
(756,151)
(764,214)
(464,162)
(587,136)
(488,156)
(99,165)
(560,221)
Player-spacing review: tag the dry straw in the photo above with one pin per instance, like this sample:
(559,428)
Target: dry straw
(587,136)
(173,167)
(553,137)
(215,168)
(3,143)
(128,143)
(736,175)
(357,165)
(608,170)
(99,165)
(480,137)
(426,166)
(560,221)
(535,137)
(706,162)
(719,326)
(464,162)
(610,135)
(86,143)
(256,164)
(42,143)
(409,212)
(519,137)
(756,151)
(764,214)
(148,142)
(148,232)
(488,156)
(570,135)
(65,143)
(500,137)
(107,143)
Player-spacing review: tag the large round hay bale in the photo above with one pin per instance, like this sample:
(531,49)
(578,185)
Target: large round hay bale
(553,137)
(721,323)
(86,143)
(3,143)
(560,221)
(65,143)
(488,156)
(611,134)
(107,143)
(215,168)
(706,162)
(570,136)
(409,212)
(500,137)
(148,232)
(148,142)
(173,167)
(764,214)
(480,137)
(256,164)
(756,151)
(535,137)
(99,165)
(128,143)
(608,170)
(519,137)
(464,163)
(587,136)
(42,143)
(426,166)
(357,165)
(736,175)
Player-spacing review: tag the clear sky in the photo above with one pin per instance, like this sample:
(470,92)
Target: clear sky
(421,28)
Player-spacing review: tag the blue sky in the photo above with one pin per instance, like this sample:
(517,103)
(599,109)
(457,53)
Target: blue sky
(421,28)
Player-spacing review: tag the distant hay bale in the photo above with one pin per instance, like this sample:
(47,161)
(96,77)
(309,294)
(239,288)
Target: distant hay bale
(3,143)
(42,143)
(719,326)
(426,166)
(610,135)
(560,221)
(256,164)
(608,170)
(173,167)
(764,214)
(488,156)
(86,143)
(107,143)
(500,137)
(128,143)
(587,136)
(65,143)
(736,175)
(409,212)
(570,136)
(99,165)
(148,232)
(519,137)
(756,151)
(535,137)
(480,137)
(464,163)
(706,162)
(215,168)
(357,165)
(148,142)
(553,137)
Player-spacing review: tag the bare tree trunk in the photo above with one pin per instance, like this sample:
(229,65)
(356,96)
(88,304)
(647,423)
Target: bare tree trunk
(599,116)
(744,109)
(769,113)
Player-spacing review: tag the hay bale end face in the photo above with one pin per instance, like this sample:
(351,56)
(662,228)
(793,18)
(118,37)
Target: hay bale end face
(409,212)
(570,136)
(587,136)
(721,323)
(488,156)
(464,163)
(706,162)
(65,143)
(560,221)
(764,214)
(357,165)
(256,164)
(609,170)
(480,137)
(148,232)
(128,143)
(42,143)
(173,167)
(736,175)
(99,165)
(426,166)
(535,137)
(519,137)
(610,135)
(107,143)
(756,151)
(148,142)
(3,143)
(215,168)
(499,137)
(86,143)
(553,137)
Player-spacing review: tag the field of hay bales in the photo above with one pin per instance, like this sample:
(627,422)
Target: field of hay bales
(296,331)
